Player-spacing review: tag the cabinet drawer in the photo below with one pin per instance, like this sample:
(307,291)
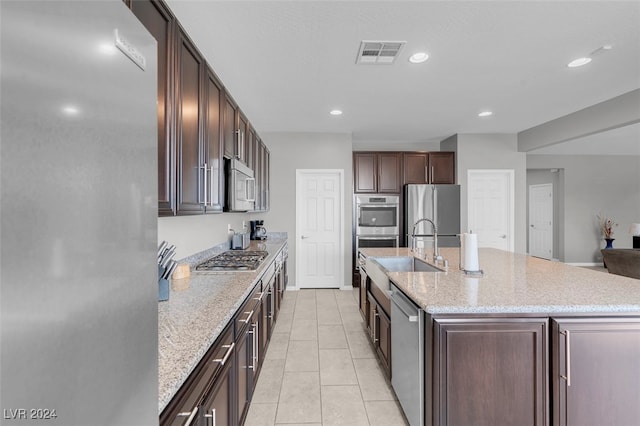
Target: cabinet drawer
(185,408)
(250,305)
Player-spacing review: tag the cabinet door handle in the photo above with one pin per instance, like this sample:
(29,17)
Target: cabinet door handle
(226,355)
(255,345)
(211,416)
(205,183)
(375,327)
(211,187)
(200,201)
(567,356)
(191,414)
(246,320)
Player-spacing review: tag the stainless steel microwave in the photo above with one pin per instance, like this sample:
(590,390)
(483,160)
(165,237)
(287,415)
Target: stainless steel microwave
(241,187)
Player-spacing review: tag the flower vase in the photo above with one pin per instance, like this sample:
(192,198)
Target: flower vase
(609,243)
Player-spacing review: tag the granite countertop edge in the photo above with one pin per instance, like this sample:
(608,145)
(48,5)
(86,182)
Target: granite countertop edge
(176,366)
(513,284)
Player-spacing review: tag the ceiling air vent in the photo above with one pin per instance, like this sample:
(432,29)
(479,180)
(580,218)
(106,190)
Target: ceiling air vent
(379,52)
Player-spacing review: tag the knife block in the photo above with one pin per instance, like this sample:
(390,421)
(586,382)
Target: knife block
(163,285)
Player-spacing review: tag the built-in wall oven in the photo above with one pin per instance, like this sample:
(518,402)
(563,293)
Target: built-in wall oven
(377,221)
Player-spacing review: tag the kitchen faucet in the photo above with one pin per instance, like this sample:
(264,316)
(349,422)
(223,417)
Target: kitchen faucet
(436,254)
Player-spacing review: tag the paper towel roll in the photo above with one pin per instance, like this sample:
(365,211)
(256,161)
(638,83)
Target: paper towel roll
(470,255)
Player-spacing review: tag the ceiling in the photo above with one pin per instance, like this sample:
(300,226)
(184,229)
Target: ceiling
(288,63)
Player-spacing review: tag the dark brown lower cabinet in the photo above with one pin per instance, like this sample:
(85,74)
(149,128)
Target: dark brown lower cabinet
(210,382)
(247,344)
(379,325)
(596,372)
(384,340)
(490,371)
(216,409)
(219,390)
(364,302)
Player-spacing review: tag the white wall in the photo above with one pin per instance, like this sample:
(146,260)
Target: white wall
(491,151)
(292,151)
(193,234)
(607,184)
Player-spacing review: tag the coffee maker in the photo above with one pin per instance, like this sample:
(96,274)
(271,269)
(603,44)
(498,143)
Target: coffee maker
(258,231)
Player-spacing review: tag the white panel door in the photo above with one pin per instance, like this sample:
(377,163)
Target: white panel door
(319,229)
(541,220)
(490,201)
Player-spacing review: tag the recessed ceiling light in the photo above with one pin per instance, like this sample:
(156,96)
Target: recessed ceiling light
(70,110)
(107,49)
(579,62)
(485,114)
(418,57)
(335,112)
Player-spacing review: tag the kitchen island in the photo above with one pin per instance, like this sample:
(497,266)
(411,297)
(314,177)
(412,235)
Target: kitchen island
(529,342)
(206,311)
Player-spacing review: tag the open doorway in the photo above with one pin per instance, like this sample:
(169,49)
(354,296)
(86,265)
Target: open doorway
(553,179)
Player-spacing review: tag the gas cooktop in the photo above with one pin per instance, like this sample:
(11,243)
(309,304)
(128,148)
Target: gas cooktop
(233,260)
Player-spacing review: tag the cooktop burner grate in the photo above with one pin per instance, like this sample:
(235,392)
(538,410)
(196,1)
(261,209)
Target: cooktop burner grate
(234,260)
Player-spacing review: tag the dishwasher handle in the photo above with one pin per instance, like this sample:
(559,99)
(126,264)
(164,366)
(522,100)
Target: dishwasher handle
(399,301)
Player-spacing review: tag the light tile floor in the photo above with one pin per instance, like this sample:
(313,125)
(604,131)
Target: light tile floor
(320,368)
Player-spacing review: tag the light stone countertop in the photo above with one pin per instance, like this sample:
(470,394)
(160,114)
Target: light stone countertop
(192,319)
(513,283)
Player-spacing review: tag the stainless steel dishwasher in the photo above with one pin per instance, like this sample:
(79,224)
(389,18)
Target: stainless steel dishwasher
(407,360)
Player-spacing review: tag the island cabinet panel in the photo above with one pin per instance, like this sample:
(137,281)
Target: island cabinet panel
(596,371)
(379,328)
(490,371)
(157,19)
(364,302)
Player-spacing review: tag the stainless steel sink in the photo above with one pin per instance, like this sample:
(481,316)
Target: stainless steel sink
(378,267)
(406,264)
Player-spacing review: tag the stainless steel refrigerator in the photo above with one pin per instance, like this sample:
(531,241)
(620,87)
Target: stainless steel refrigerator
(439,203)
(78,218)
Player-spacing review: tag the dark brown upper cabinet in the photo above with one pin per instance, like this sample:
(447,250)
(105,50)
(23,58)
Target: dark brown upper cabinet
(213,148)
(242,137)
(189,124)
(416,167)
(442,167)
(230,125)
(429,167)
(262,171)
(159,21)
(377,172)
(199,123)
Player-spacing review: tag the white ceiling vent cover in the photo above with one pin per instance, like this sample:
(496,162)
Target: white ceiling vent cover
(379,52)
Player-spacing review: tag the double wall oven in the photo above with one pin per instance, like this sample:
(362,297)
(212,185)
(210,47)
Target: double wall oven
(377,221)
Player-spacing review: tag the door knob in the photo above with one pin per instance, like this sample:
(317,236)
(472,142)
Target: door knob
(304,237)
(503,236)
